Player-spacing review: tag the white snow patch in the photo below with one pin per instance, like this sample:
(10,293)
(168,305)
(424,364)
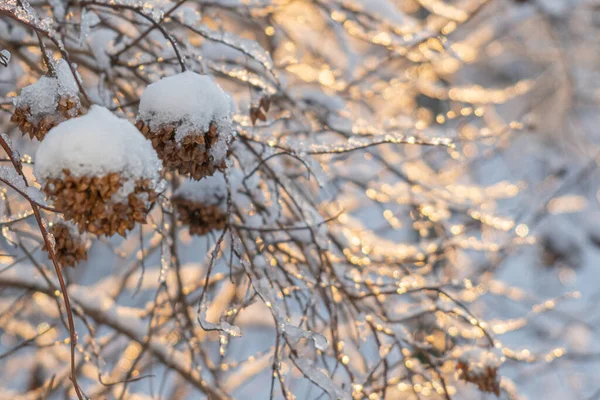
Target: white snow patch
(211,190)
(9,175)
(102,43)
(479,359)
(189,100)
(42,96)
(88,20)
(96,144)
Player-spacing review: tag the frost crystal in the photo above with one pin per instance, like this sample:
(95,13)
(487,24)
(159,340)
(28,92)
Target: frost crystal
(224,326)
(51,237)
(322,380)
(294,334)
(246,46)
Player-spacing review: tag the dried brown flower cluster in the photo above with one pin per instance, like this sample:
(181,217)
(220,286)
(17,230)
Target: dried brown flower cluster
(38,126)
(191,156)
(87,201)
(260,111)
(69,248)
(201,218)
(487,380)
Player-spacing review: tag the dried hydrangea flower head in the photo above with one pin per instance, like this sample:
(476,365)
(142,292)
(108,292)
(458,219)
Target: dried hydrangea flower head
(47,102)
(188,119)
(561,243)
(70,247)
(202,205)
(480,366)
(100,172)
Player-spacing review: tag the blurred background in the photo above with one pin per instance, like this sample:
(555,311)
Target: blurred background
(452,144)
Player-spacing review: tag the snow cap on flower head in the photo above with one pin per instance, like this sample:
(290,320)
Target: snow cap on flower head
(188,118)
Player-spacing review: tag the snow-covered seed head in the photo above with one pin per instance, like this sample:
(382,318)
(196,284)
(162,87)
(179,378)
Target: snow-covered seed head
(560,243)
(47,102)
(100,172)
(70,247)
(188,119)
(480,366)
(202,205)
